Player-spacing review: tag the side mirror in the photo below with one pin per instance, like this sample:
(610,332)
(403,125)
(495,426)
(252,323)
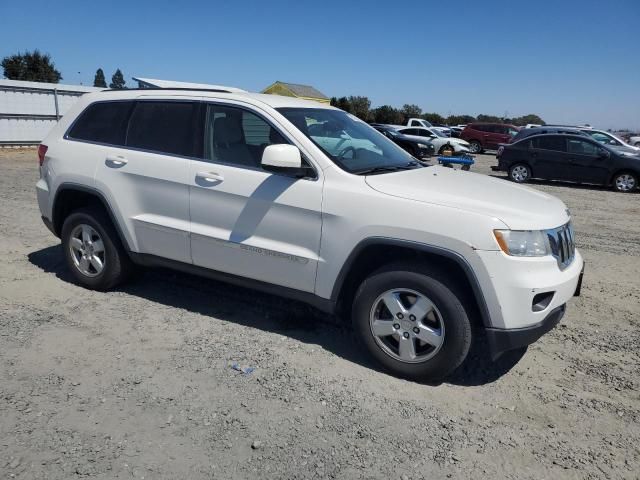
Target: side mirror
(602,153)
(282,158)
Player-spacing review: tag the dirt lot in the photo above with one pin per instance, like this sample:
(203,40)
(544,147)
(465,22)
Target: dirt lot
(137,383)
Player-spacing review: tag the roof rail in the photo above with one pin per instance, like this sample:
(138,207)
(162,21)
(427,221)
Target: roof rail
(154,83)
(192,89)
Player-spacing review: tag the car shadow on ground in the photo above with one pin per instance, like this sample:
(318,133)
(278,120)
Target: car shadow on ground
(266,312)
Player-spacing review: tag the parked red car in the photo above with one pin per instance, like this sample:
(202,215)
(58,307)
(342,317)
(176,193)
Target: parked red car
(487,136)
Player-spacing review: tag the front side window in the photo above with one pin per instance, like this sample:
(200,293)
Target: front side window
(103,122)
(580,147)
(164,127)
(556,144)
(236,136)
(349,142)
(604,139)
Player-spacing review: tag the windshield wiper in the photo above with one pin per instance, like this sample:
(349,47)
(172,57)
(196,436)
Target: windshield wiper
(388,168)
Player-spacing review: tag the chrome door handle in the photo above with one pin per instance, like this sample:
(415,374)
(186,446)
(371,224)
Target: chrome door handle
(209,177)
(113,161)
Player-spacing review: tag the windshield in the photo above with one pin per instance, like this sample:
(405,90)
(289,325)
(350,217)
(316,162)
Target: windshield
(349,142)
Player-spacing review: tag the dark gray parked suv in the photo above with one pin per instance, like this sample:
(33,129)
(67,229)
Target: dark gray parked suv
(569,157)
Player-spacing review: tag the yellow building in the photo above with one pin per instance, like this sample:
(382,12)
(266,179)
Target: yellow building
(305,92)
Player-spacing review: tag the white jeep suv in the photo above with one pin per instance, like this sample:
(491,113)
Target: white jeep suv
(424,260)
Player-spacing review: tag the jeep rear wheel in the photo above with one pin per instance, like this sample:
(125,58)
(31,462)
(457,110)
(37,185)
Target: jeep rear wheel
(411,321)
(93,250)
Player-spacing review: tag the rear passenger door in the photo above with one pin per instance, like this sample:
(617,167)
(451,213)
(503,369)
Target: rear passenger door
(147,177)
(247,221)
(548,157)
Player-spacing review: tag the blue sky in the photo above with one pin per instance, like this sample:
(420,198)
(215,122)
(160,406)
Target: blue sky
(569,61)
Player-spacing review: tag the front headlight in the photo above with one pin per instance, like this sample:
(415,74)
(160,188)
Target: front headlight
(523,243)
(422,145)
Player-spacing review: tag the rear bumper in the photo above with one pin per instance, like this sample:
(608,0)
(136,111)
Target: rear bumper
(501,340)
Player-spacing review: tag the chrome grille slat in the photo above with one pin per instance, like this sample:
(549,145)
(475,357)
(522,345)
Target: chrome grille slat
(562,244)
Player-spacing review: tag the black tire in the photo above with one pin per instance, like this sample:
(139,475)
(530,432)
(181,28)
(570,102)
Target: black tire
(475,146)
(625,182)
(520,173)
(117,264)
(439,289)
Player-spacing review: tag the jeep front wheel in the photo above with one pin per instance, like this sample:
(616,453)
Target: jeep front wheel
(412,322)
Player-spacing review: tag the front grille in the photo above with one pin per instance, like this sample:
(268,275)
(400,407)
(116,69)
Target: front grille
(562,243)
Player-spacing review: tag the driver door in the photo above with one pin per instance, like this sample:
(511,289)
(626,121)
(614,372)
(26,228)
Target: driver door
(244,220)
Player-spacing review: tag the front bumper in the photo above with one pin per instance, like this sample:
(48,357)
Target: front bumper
(520,282)
(422,153)
(501,340)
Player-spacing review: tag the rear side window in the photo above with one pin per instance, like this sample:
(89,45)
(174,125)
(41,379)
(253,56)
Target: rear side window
(555,143)
(165,127)
(102,122)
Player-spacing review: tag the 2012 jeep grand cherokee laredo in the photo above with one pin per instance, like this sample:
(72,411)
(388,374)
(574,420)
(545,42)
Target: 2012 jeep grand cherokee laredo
(306,201)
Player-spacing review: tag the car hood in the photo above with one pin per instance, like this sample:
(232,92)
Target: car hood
(518,207)
(627,151)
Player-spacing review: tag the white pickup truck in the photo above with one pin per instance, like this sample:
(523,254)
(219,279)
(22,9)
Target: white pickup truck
(421,122)
(306,201)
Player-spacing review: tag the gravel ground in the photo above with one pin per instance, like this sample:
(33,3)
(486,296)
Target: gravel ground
(138,383)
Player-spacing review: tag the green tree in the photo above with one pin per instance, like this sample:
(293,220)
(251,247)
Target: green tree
(526,119)
(460,119)
(333,102)
(344,104)
(360,107)
(387,114)
(31,66)
(489,118)
(117,81)
(411,111)
(434,118)
(99,80)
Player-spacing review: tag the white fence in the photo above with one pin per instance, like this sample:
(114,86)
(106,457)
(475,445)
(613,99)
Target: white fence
(28,110)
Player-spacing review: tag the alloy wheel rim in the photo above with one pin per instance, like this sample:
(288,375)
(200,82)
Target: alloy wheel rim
(87,250)
(625,182)
(407,325)
(519,173)
(475,147)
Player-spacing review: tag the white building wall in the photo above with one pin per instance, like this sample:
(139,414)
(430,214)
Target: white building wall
(28,109)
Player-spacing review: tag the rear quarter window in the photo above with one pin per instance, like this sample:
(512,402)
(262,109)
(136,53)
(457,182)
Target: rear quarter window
(102,122)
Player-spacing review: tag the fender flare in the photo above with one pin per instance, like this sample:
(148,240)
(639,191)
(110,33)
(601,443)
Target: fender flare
(70,186)
(421,247)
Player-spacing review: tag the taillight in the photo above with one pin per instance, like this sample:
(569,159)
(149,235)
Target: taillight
(42,150)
